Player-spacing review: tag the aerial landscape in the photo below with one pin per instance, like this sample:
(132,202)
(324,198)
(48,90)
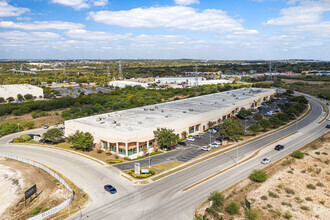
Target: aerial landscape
(167,109)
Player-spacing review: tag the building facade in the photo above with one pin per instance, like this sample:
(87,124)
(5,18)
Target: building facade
(127,132)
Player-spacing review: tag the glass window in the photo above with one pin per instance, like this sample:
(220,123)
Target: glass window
(197,127)
(105,145)
(112,148)
(150,144)
(191,130)
(122,151)
(131,151)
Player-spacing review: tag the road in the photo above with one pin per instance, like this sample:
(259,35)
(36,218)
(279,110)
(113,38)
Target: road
(165,199)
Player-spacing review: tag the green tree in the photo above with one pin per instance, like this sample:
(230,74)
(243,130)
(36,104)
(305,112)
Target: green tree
(217,198)
(81,140)
(274,121)
(232,208)
(254,127)
(265,124)
(232,129)
(20,97)
(259,175)
(165,137)
(298,154)
(29,124)
(244,113)
(52,134)
(2,99)
(28,96)
(10,99)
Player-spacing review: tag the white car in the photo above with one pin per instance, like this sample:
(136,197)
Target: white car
(265,161)
(214,145)
(190,139)
(218,142)
(206,148)
(212,131)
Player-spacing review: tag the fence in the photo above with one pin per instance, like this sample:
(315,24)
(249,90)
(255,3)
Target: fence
(55,175)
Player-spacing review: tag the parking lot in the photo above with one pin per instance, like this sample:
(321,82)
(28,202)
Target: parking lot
(77,90)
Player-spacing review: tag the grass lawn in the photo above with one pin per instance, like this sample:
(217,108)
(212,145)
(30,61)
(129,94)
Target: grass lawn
(158,168)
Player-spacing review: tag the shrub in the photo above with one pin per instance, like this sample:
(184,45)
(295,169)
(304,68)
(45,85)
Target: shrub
(152,153)
(324,153)
(217,198)
(232,208)
(297,154)
(298,199)
(29,124)
(317,152)
(44,209)
(269,206)
(35,211)
(99,151)
(127,158)
(322,201)
(320,184)
(287,204)
(327,161)
(18,140)
(287,161)
(25,137)
(306,208)
(252,214)
(287,214)
(290,191)
(273,195)
(264,197)
(310,186)
(111,161)
(309,199)
(259,175)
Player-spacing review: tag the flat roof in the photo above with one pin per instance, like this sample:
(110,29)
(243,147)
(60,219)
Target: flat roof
(137,119)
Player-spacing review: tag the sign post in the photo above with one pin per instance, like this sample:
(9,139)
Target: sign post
(247,204)
(137,169)
(28,193)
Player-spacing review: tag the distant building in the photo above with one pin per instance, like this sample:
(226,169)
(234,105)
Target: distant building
(190,81)
(123,84)
(7,91)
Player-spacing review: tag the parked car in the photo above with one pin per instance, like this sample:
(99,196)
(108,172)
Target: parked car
(265,161)
(206,148)
(110,189)
(328,126)
(197,136)
(190,139)
(45,141)
(212,131)
(61,128)
(218,142)
(220,138)
(46,126)
(182,143)
(277,110)
(55,125)
(214,145)
(279,147)
(328,119)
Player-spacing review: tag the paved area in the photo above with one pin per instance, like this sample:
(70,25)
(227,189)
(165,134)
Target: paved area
(77,90)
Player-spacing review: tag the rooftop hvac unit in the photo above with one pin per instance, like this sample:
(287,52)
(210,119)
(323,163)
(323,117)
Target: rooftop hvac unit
(139,122)
(236,97)
(152,109)
(130,129)
(98,119)
(118,124)
(145,109)
(102,122)
(243,93)
(223,100)
(162,110)
(184,112)
(109,115)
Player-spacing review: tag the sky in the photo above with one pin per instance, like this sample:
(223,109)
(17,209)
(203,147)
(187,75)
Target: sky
(165,29)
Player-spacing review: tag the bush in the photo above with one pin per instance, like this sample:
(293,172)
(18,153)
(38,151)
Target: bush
(297,154)
(44,209)
(25,137)
(264,197)
(232,208)
(252,214)
(317,152)
(112,161)
(259,175)
(309,199)
(287,214)
(127,158)
(287,204)
(217,198)
(320,184)
(35,211)
(306,208)
(273,195)
(18,140)
(310,186)
(29,124)
(290,191)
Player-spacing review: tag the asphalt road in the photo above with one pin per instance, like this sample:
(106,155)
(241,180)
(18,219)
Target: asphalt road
(165,199)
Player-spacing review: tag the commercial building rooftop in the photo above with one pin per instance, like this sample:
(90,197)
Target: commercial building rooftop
(137,119)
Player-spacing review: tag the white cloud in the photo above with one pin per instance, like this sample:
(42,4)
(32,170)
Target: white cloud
(179,17)
(100,2)
(307,12)
(186,2)
(7,10)
(94,35)
(81,4)
(41,25)
(29,36)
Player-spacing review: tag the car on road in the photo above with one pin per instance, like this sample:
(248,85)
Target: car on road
(190,139)
(55,125)
(265,161)
(206,148)
(197,136)
(328,119)
(279,147)
(182,143)
(46,126)
(328,126)
(110,189)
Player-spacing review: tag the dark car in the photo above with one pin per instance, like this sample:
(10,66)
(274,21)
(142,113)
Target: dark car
(197,136)
(46,126)
(279,147)
(182,143)
(45,141)
(219,139)
(328,126)
(110,189)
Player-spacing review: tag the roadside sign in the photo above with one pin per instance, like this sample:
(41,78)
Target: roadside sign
(137,169)
(247,204)
(28,193)
(145,171)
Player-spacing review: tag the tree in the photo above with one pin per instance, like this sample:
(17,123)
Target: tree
(259,175)
(243,113)
(274,121)
(81,140)
(52,134)
(217,198)
(232,208)
(265,124)
(257,117)
(184,134)
(10,99)
(28,96)
(2,99)
(298,154)
(254,127)
(20,97)
(165,137)
(29,124)
(232,129)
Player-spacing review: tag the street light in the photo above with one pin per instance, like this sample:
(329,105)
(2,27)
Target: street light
(18,127)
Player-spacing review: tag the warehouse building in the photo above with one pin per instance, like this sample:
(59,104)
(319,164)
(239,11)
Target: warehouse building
(190,81)
(126,132)
(123,84)
(7,91)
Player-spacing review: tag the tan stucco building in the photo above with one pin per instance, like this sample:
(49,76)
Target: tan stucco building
(126,132)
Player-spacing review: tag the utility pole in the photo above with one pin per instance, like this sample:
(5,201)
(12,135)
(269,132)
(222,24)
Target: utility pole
(120,75)
(196,75)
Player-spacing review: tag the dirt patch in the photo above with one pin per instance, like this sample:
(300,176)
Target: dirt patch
(50,192)
(296,187)
(297,80)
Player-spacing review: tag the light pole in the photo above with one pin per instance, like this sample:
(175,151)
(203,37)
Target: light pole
(296,121)
(18,127)
(149,159)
